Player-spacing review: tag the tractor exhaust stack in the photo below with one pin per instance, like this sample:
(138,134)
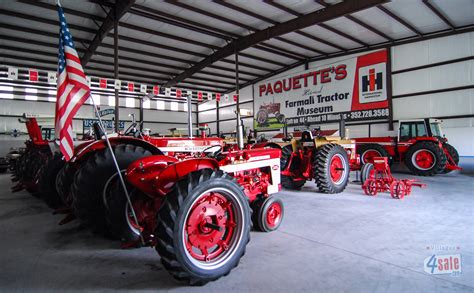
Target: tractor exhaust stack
(190,117)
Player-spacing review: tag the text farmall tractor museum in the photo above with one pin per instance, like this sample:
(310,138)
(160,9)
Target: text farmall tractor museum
(420,144)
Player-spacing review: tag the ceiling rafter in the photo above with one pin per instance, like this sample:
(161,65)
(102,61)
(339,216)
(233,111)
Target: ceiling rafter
(115,13)
(236,23)
(399,19)
(248,41)
(439,13)
(268,20)
(359,22)
(323,25)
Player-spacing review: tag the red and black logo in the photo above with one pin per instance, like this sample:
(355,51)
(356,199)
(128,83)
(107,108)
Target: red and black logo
(372,82)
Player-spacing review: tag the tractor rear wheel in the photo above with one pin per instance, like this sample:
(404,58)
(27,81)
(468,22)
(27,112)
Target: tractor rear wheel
(91,178)
(453,153)
(47,181)
(287,181)
(425,158)
(203,227)
(331,168)
(64,181)
(120,220)
(368,151)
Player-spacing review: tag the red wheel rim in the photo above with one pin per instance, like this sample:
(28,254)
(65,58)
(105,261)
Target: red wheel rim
(211,230)
(423,159)
(368,156)
(337,169)
(273,215)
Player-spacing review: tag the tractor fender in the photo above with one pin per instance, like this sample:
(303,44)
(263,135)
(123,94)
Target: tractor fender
(156,175)
(82,151)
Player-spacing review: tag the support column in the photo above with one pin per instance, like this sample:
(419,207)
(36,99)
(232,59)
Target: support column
(116,76)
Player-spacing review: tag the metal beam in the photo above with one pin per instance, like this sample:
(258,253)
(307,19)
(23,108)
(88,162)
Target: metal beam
(227,20)
(439,14)
(359,22)
(336,31)
(399,19)
(116,12)
(307,20)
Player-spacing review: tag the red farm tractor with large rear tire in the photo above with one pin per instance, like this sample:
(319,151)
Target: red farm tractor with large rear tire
(419,144)
(327,160)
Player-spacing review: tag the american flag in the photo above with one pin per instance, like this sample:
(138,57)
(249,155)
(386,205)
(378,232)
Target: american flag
(72,88)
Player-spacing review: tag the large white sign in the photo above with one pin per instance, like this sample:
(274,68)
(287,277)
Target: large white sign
(352,89)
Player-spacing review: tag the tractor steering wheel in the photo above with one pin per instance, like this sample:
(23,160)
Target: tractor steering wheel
(213,154)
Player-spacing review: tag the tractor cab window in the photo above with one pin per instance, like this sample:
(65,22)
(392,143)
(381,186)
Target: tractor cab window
(410,130)
(436,129)
(47,133)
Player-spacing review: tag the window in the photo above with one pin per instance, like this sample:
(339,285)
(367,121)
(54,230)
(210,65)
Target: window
(146,104)
(96,100)
(185,107)
(130,102)
(52,95)
(111,101)
(404,131)
(160,105)
(6,92)
(174,106)
(421,129)
(31,94)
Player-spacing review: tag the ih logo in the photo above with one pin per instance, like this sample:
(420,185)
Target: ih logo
(372,80)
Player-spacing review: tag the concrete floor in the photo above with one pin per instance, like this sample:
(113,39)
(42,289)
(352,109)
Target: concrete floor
(327,243)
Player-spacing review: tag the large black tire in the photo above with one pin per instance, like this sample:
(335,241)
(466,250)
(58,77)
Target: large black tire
(453,153)
(364,150)
(120,224)
(34,162)
(436,167)
(286,181)
(267,214)
(47,181)
(325,158)
(365,172)
(64,181)
(90,179)
(185,201)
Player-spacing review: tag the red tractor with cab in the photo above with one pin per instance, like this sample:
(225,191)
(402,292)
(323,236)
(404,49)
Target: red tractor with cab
(420,144)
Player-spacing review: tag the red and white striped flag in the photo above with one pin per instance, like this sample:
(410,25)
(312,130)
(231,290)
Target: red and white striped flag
(72,88)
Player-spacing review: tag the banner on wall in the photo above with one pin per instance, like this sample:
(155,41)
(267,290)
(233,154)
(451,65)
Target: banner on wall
(354,89)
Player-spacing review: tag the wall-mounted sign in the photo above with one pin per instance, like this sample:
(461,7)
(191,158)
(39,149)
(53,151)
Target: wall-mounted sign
(109,124)
(352,89)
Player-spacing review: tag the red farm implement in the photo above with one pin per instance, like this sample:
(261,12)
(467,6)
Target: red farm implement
(380,179)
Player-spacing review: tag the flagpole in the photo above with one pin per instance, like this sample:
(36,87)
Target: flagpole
(122,181)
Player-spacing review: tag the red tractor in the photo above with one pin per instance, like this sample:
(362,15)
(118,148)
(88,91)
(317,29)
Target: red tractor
(196,210)
(419,144)
(28,167)
(310,155)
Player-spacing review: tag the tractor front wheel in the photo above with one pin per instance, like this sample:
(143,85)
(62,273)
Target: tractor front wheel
(425,158)
(267,214)
(331,168)
(203,227)
(454,156)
